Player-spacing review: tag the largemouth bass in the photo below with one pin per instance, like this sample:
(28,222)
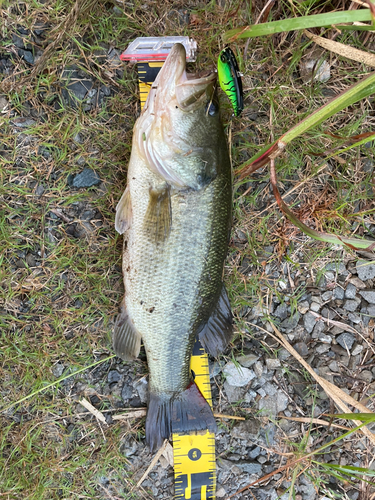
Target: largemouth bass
(175,215)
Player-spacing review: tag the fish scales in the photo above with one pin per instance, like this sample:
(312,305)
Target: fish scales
(175,216)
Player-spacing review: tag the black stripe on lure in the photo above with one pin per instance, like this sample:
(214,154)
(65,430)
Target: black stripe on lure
(230,79)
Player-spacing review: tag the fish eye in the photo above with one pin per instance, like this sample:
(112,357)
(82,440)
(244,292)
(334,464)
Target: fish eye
(211,108)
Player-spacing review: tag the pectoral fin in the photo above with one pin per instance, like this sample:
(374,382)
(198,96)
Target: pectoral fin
(158,218)
(123,212)
(218,331)
(126,339)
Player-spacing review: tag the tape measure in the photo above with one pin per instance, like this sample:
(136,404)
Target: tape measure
(194,454)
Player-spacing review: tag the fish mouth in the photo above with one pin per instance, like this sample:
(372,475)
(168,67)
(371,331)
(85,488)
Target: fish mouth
(191,90)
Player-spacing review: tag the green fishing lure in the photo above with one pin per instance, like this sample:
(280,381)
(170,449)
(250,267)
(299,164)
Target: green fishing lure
(230,79)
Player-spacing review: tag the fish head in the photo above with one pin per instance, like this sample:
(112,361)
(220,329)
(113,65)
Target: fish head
(179,131)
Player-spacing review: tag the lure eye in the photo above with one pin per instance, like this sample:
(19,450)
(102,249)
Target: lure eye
(223,58)
(211,109)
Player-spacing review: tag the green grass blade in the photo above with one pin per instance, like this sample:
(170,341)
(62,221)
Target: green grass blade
(362,417)
(353,94)
(298,23)
(64,377)
(350,470)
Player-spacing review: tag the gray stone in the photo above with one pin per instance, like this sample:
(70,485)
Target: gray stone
(237,376)
(303,307)
(333,366)
(346,340)
(255,452)
(337,267)
(272,363)
(249,429)
(351,305)
(327,313)
(247,360)
(258,369)
(234,394)
(141,386)
(113,376)
(323,348)
(339,293)
(319,327)
(270,389)
(26,55)
(283,354)
(368,295)
(309,321)
(3,103)
(281,311)
(127,392)
(326,339)
(290,323)
(86,178)
(365,270)
(350,291)
(355,318)
(315,307)
(250,467)
(215,368)
(357,350)
(326,296)
(316,69)
(58,370)
(76,87)
(272,405)
(307,489)
(39,190)
(302,349)
(367,376)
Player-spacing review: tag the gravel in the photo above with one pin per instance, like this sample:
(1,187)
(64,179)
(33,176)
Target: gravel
(86,178)
(368,295)
(346,340)
(365,270)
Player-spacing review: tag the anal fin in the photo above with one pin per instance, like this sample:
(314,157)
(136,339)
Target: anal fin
(218,331)
(125,338)
(123,212)
(158,218)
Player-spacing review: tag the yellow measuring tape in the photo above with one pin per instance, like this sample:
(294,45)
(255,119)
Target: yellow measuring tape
(194,453)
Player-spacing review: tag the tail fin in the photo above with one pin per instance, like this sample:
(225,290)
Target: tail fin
(185,412)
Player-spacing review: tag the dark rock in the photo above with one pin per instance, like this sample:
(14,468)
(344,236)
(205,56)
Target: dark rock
(26,55)
(339,293)
(113,376)
(351,305)
(246,430)
(20,42)
(337,267)
(302,349)
(281,311)
(350,291)
(346,340)
(126,392)
(309,322)
(250,467)
(368,295)
(290,323)
(76,87)
(86,178)
(39,190)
